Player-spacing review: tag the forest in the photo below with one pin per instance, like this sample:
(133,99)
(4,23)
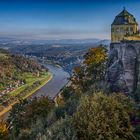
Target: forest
(85,110)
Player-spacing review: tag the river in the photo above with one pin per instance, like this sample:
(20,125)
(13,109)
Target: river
(52,88)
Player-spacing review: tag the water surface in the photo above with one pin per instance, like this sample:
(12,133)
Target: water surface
(52,88)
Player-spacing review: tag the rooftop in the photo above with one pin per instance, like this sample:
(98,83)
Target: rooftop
(124,18)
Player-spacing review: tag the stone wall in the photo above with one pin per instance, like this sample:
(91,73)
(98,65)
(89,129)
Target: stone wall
(123,73)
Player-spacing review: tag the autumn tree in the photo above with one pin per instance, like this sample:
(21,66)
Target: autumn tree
(104,117)
(95,63)
(92,70)
(4,130)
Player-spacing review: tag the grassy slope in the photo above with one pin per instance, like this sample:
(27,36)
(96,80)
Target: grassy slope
(23,67)
(2,55)
(30,80)
(43,81)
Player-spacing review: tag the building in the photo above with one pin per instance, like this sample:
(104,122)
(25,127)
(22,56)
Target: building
(124,27)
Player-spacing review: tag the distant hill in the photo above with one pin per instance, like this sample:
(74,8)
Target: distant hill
(65,52)
(9,42)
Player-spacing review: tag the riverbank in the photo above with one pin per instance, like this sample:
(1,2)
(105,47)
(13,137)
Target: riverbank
(43,82)
(52,87)
(60,79)
(50,76)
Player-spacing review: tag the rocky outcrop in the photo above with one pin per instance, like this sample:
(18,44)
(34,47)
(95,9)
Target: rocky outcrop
(123,73)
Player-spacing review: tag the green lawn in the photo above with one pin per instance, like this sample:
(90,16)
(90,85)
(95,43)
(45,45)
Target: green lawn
(3,55)
(30,79)
(43,82)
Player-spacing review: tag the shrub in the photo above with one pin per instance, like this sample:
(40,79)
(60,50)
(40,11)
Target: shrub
(104,117)
(61,130)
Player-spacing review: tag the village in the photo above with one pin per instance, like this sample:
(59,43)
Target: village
(11,87)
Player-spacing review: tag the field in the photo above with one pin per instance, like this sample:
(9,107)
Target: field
(30,79)
(24,91)
(2,55)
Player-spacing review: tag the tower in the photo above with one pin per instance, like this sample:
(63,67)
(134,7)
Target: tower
(124,27)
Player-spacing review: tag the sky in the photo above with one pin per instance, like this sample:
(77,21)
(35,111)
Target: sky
(61,19)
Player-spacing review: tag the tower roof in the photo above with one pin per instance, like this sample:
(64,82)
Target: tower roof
(124,18)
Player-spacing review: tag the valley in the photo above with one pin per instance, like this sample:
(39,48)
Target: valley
(66,53)
(17,82)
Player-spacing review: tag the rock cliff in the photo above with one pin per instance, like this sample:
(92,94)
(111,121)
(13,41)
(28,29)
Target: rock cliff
(123,73)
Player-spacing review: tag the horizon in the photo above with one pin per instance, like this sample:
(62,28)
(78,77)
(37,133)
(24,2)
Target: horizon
(56,20)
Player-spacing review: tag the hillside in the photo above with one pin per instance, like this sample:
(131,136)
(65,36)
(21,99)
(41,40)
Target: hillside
(20,77)
(12,68)
(83,110)
(67,53)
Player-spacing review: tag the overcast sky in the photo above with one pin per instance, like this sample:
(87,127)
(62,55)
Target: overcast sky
(61,19)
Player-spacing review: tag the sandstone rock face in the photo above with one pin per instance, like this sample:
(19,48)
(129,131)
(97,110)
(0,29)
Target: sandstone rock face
(123,73)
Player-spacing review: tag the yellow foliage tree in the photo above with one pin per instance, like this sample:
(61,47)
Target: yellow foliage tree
(92,70)
(4,130)
(95,63)
(95,56)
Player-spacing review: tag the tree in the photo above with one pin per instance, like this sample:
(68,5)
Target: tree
(38,108)
(67,93)
(70,102)
(104,117)
(95,61)
(24,114)
(61,130)
(15,116)
(4,130)
(92,71)
(78,79)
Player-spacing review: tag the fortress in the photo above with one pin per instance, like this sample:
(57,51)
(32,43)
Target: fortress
(124,27)
(123,73)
